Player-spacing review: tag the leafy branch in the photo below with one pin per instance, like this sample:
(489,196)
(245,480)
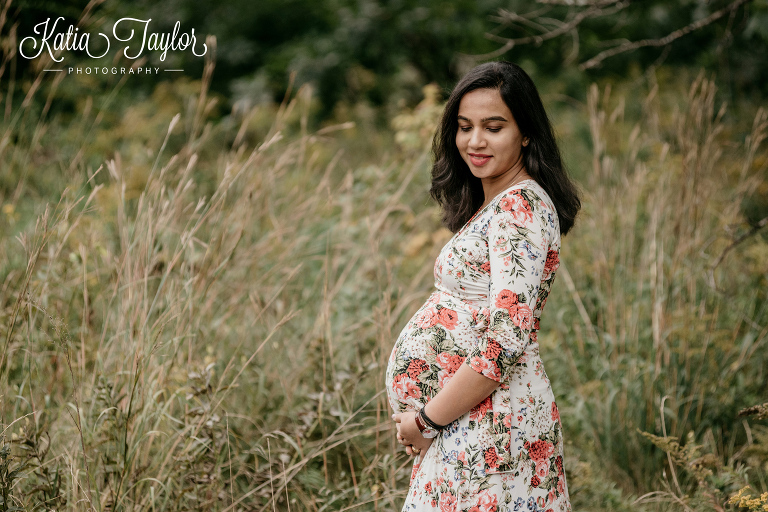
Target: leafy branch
(548,27)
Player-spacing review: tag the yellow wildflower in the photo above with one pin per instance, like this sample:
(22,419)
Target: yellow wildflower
(736,498)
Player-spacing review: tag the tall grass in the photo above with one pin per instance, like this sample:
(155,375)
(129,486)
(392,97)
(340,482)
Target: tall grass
(201,322)
(663,330)
(170,349)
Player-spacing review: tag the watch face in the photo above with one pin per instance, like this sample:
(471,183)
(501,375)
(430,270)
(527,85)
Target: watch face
(429,433)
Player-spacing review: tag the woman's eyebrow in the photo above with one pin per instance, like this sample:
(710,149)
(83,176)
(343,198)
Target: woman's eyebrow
(485,119)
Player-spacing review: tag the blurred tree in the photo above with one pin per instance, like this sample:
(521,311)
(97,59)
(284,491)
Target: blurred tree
(607,36)
(351,49)
(356,49)
(384,51)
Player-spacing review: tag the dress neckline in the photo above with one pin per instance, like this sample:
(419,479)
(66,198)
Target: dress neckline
(481,210)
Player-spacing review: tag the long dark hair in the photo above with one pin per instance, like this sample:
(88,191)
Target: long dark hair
(459,192)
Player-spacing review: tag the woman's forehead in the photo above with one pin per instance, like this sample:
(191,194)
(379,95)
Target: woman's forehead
(482,104)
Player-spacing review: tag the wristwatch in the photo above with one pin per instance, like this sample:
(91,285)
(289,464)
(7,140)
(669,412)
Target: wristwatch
(428,428)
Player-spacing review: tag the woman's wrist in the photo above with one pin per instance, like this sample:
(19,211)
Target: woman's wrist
(429,421)
(437,412)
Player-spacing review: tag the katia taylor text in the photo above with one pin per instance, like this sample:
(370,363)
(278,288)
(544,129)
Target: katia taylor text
(134,32)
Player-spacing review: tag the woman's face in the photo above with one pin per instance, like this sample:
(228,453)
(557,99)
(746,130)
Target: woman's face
(488,137)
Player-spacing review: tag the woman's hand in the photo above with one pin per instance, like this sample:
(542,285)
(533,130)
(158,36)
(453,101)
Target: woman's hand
(408,433)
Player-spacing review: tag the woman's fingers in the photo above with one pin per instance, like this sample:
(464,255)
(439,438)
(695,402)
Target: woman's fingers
(422,444)
(414,451)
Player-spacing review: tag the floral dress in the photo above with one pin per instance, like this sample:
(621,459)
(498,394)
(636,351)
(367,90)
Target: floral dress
(492,280)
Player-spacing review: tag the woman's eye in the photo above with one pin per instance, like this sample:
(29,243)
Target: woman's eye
(465,128)
(494,130)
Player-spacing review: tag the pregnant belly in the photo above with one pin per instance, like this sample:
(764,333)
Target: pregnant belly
(430,349)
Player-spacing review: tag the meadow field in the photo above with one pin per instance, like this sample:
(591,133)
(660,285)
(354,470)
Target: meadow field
(197,306)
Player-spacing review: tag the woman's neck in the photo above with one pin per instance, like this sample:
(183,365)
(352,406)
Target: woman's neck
(495,186)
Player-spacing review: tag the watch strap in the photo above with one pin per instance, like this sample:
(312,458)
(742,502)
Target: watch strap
(420,423)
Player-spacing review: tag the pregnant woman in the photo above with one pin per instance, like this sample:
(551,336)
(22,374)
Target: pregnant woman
(471,398)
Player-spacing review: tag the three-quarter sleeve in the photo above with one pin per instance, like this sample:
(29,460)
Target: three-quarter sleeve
(518,242)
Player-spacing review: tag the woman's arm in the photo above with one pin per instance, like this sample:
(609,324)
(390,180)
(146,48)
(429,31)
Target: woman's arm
(466,389)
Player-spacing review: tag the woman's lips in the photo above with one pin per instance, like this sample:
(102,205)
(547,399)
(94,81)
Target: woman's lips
(479,160)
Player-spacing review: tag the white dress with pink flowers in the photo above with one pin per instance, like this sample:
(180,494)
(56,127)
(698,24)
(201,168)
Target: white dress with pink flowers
(492,280)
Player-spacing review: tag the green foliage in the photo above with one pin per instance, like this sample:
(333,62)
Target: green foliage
(381,53)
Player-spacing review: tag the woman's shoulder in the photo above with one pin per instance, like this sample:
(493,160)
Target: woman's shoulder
(526,194)
(525,201)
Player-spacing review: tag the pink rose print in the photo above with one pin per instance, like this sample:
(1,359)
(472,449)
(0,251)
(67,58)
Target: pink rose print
(493,351)
(535,481)
(448,318)
(485,367)
(416,367)
(443,377)
(521,210)
(506,299)
(542,468)
(539,450)
(488,502)
(480,365)
(506,204)
(480,410)
(449,362)
(413,472)
(447,502)
(486,267)
(491,457)
(428,318)
(555,412)
(561,486)
(522,316)
(406,388)
(553,261)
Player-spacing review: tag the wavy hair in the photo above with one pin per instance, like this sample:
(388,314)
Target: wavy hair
(457,190)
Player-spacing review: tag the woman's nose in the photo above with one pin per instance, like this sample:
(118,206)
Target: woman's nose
(477,139)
